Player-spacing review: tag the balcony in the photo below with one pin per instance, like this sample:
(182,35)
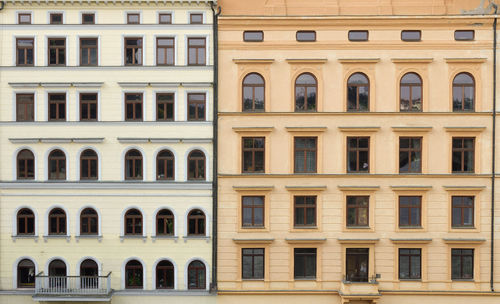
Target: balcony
(73,288)
(359,289)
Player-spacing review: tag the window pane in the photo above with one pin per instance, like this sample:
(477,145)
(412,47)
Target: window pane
(253,36)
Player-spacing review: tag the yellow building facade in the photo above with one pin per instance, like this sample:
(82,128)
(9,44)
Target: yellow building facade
(355,152)
(106,158)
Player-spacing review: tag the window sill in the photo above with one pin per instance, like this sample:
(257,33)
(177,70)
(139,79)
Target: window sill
(26,237)
(305,227)
(89,237)
(364,283)
(464,227)
(67,237)
(194,237)
(411,227)
(165,237)
(133,237)
(305,279)
(410,280)
(253,280)
(253,227)
(462,280)
(359,227)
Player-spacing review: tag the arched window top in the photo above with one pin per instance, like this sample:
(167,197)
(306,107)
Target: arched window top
(26,263)
(358,78)
(411,78)
(88,263)
(134,153)
(134,263)
(25,154)
(25,211)
(26,274)
(197,263)
(253,79)
(196,154)
(463,79)
(166,154)
(57,154)
(89,211)
(57,211)
(165,263)
(89,153)
(57,268)
(306,79)
(165,212)
(196,212)
(196,275)
(133,212)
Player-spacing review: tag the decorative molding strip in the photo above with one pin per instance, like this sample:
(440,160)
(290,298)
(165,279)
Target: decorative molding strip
(55,140)
(253,241)
(463,241)
(411,188)
(87,2)
(359,129)
(307,61)
(464,188)
(359,60)
(56,84)
(162,140)
(306,129)
(411,241)
(465,129)
(305,188)
(253,61)
(411,129)
(253,188)
(357,241)
(465,60)
(358,188)
(252,129)
(107,185)
(305,240)
(412,60)
(165,84)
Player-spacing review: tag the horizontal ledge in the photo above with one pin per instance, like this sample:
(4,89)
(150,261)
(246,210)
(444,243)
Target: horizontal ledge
(56,140)
(465,129)
(358,188)
(464,188)
(164,84)
(307,60)
(464,241)
(411,129)
(305,188)
(163,140)
(411,188)
(412,60)
(56,84)
(359,129)
(247,61)
(253,129)
(253,241)
(306,129)
(305,240)
(253,188)
(465,60)
(411,241)
(359,60)
(357,241)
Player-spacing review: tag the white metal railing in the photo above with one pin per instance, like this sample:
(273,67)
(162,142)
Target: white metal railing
(72,285)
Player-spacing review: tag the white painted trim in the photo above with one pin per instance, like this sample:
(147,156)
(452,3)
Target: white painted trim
(46,221)
(16,15)
(208,177)
(204,16)
(14,270)
(99,166)
(47,263)
(14,104)
(124,36)
(122,220)
(77,103)
(207,272)
(144,276)
(207,220)
(144,101)
(14,48)
(207,103)
(14,219)
(56,12)
(172,12)
(46,162)
(46,106)
(78,50)
(99,217)
(153,273)
(66,43)
(14,162)
(176,162)
(207,48)
(155,49)
(79,263)
(80,14)
(144,162)
(125,13)
(176,220)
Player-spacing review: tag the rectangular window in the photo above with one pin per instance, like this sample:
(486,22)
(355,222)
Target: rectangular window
(306,36)
(196,51)
(463,154)
(252,263)
(410,211)
(305,154)
(252,211)
(357,264)
(410,155)
(464,35)
(24,18)
(165,18)
(88,106)
(133,18)
(88,51)
(88,18)
(165,50)
(25,107)
(410,264)
(358,154)
(358,35)
(133,106)
(57,51)
(56,18)
(253,154)
(57,107)
(25,51)
(462,211)
(411,35)
(357,211)
(196,18)
(165,107)
(304,263)
(196,106)
(462,264)
(133,51)
(304,211)
(253,36)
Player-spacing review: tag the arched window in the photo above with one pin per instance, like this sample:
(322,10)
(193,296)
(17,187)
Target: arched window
(57,274)
(463,92)
(88,274)
(134,275)
(165,275)
(196,222)
(165,165)
(26,274)
(196,275)
(133,165)
(411,93)
(89,222)
(253,93)
(57,165)
(164,222)
(88,164)
(133,222)
(25,165)
(25,222)
(57,221)
(306,90)
(358,92)
(196,165)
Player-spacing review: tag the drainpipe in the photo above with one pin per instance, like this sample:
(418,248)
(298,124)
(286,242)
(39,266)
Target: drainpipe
(493,152)
(215,12)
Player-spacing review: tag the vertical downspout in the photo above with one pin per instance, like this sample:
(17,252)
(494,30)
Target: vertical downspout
(215,12)
(493,158)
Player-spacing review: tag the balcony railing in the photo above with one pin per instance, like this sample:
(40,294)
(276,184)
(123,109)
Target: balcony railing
(72,286)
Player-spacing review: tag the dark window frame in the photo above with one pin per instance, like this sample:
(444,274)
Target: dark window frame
(198,270)
(253,87)
(411,39)
(254,151)
(251,253)
(461,254)
(305,151)
(89,49)
(132,162)
(358,39)
(135,49)
(88,104)
(197,48)
(460,202)
(165,105)
(164,269)
(358,86)
(26,162)
(355,255)
(130,15)
(61,165)
(191,15)
(91,161)
(409,151)
(410,87)
(409,255)
(252,207)
(53,15)
(463,87)
(357,206)
(298,33)
(306,88)
(86,218)
(58,49)
(28,264)
(160,15)
(194,173)
(60,115)
(164,219)
(21,15)
(61,222)
(134,104)
(200,223)
(25,52)
(23,218)
(23,107)
(164,162)
(300,253)
(409,207)
(247,39)
(86,15)
(137,271)
(137,221)
(199,115)
(305,206)
(358,150)
(462,150)
(166,48)
(464,31)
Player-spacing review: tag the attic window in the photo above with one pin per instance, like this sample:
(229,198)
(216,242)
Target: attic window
(358,35)
(464,35)
(253,36)
(411,35)
(306,36)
